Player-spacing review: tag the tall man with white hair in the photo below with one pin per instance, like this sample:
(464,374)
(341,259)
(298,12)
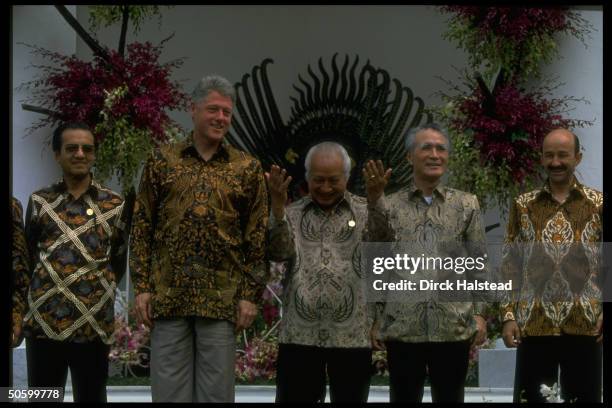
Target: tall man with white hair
(197,252)
(428,333)
(326,321)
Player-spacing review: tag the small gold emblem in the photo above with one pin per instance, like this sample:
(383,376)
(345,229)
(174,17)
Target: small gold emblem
(89,212)
(351,223)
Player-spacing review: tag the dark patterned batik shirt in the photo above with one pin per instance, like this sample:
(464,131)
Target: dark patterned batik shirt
(198,232)
(552,252)
(78,254)
(452,217)
(21,271)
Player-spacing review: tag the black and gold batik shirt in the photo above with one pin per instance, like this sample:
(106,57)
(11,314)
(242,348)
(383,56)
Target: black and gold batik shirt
(77,252)
(20,272)
(198,231)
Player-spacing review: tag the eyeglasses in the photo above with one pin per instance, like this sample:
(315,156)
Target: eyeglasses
(87,149)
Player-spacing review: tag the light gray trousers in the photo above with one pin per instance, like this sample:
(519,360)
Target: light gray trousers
(192,360)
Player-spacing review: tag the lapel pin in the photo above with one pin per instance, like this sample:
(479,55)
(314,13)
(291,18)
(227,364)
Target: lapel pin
(89,211)
(351,223)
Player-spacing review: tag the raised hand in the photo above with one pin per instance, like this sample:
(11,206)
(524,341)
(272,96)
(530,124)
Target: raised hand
(376,179)
(278,182)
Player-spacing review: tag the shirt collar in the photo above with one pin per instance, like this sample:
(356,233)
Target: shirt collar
(345,201)
(189,149)
(92,189)
(439,191)
(575,185)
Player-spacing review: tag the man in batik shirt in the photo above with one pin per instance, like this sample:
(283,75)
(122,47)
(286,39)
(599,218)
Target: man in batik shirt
(555,315)
(77,243)
(326,319)
(197,258)
(21,273)
(428,332)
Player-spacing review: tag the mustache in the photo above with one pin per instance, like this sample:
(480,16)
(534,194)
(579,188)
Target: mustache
(551,168)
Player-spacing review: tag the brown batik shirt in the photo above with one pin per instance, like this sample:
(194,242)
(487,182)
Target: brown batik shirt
(198,231)
(551,252)
(20,273)
(78,253)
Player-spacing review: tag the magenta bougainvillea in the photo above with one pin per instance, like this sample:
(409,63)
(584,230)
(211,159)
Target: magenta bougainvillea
(77,90)
(512,133)
(515,23)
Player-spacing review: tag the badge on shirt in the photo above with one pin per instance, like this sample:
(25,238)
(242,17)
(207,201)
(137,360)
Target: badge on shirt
(351,223)
(89,212)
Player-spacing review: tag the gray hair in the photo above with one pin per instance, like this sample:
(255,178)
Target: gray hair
(410,135)
(213,83)
(328,147)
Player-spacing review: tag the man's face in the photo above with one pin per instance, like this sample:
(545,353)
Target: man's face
(326,181)
(212,117)
(77,153)
(429,156)
(558,156)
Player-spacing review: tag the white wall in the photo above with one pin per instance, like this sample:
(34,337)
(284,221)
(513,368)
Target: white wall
(229,40)
(32,160)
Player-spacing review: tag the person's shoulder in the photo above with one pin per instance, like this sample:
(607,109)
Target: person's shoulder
(169,150)
(298,205)
(107,194)
(593,195)
(467,199)
(47,192)
(237,155)
(525,198)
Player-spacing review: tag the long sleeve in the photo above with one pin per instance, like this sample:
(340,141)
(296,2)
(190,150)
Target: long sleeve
(476,245)
(511,265)
(119,242)
(378,228)
(143,225)
(255,221)
(21,270)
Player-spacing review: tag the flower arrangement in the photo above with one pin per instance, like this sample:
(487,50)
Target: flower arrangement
(123,96)
(497,135)
(258,346)
(517,38)
(131,343)
(124,99)
(495,124)
(258,359)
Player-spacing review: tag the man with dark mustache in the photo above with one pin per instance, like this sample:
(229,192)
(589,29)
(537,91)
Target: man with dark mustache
(555,316)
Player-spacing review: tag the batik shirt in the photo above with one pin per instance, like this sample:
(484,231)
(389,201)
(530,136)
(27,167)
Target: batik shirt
(552,251)
(198,232)
(21,271)
(324,298)
(78,254)
(452,216)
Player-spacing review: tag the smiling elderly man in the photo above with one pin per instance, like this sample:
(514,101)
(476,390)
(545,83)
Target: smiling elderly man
(429,333)
(326,322)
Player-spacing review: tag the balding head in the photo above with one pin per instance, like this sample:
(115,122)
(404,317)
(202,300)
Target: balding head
(560,156)
(564,133)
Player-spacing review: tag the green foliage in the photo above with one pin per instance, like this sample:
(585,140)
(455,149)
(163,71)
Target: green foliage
(105,16)
(493,185)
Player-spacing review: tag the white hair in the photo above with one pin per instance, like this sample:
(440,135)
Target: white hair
(327,148)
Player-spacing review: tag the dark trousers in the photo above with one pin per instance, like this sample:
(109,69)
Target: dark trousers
(49,360)
(539,358)
(446,362)
(301,373)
